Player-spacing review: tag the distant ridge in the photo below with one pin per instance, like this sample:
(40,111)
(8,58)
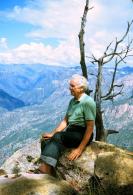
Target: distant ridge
(9,102)
(128,69)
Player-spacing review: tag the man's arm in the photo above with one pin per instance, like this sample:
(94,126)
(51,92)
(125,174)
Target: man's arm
(60,127)
(75,153)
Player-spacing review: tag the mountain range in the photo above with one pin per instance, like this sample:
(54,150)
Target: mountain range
(44,108)
(9,102)
(31,84)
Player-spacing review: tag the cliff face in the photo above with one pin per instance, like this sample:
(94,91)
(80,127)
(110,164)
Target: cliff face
(119,117)
(102,169)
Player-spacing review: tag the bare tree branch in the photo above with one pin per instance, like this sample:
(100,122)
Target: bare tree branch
(111,97)
(128,28)
(112,86)
(105,53)
(111,131)
(113,53)
(121,85)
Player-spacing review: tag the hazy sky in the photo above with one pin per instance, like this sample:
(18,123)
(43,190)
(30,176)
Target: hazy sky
(46,31)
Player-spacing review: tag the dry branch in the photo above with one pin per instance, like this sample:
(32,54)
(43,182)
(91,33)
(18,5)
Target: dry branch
(117,55)
(112,131)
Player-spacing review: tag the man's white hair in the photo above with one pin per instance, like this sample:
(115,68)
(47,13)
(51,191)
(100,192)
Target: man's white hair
(81,81)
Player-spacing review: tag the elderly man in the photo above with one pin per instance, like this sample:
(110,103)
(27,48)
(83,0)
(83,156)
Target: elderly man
(75,130)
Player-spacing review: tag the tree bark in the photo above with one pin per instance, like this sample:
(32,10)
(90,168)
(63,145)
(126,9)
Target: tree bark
(100,132)
(81,41)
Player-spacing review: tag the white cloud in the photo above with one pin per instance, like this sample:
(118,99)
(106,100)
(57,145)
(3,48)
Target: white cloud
(61,20)
(3,43)
(33,53)
(53,19)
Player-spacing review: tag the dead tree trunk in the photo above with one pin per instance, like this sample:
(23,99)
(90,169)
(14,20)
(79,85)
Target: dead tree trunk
(97,97)
(82,44)
(81,41)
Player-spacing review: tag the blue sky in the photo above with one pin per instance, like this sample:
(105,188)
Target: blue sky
(46,31)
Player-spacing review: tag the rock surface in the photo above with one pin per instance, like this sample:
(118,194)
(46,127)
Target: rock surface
(32,184)
(25,157)
(101,169)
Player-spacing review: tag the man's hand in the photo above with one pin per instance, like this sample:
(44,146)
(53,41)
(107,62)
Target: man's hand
(75,153)
(47,135)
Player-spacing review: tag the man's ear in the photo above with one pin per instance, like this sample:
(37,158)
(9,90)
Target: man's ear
(82,89)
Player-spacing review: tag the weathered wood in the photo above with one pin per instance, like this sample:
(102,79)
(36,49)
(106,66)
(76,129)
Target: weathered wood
(81,41)
(82,44)
(115,54)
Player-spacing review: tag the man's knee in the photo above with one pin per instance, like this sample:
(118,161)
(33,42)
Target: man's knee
(57,137)
(44,143)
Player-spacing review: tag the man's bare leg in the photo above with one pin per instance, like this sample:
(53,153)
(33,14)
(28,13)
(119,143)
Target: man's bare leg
(47,169)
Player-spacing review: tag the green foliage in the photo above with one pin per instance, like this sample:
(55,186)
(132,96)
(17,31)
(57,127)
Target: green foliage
(16,169)
(29,158)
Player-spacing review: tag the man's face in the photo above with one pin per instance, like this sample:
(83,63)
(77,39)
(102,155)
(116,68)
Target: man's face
(74,88)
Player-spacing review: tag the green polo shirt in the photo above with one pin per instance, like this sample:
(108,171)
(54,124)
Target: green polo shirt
(79,111)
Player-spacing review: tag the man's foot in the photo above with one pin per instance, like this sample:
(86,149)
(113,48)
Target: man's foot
(47,169)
